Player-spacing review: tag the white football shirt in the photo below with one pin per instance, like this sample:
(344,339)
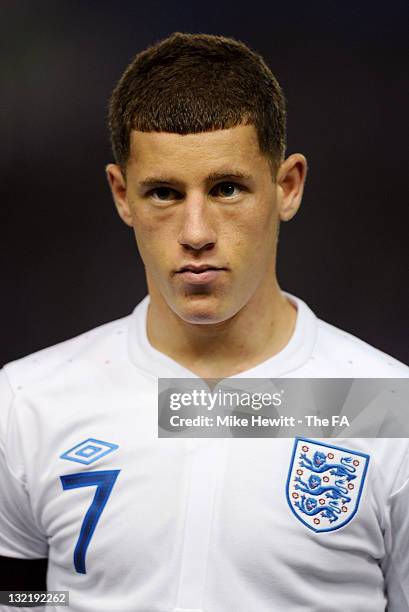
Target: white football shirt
(133,523)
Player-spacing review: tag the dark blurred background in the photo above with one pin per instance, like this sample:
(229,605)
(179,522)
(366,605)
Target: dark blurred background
(70,264)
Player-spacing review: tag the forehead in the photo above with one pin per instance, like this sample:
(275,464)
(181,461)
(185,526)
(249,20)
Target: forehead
(203,152)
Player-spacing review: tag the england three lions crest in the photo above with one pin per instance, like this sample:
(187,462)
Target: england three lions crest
(325,484)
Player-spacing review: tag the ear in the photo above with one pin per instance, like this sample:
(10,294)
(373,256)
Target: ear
(290,183)
(117,184)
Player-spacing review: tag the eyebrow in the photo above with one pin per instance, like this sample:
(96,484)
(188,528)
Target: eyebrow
(216,176)
(213,176)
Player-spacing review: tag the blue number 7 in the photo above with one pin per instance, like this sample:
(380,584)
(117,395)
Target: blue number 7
(104,481)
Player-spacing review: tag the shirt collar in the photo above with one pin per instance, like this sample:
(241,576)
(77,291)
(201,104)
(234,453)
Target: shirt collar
(290,358)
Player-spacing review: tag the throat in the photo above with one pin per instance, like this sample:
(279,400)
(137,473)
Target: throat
(229,349)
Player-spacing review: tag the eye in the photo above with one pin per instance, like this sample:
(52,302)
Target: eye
(164,194)
(227,189)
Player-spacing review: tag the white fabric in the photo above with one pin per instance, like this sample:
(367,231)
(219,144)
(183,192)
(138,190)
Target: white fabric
(190,525)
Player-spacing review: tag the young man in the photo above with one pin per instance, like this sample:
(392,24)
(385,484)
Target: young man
(133,523)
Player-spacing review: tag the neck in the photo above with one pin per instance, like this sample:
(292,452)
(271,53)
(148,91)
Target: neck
(261,329)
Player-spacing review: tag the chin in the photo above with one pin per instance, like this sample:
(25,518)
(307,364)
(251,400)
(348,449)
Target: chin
(201,310)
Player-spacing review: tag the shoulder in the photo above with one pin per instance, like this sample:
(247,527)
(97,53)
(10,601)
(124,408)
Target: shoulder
(82,352)
(353,357)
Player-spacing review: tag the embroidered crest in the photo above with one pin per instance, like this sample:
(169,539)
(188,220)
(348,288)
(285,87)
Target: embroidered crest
(325,483)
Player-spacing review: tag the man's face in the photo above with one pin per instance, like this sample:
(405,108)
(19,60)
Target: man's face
(204,211)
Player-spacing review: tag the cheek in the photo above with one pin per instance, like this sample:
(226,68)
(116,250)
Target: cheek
(252,235)
(153,238)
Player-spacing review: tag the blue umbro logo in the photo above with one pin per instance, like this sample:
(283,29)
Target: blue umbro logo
(89,451)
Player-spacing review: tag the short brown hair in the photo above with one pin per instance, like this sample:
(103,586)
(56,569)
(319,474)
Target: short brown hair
(190,83)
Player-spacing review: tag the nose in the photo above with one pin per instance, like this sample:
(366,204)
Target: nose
(196,232)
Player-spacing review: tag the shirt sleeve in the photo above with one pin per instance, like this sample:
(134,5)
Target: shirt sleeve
(20,537)
(396,565)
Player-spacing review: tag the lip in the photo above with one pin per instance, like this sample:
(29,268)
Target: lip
(198,268)
(199,278)
(197,275)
